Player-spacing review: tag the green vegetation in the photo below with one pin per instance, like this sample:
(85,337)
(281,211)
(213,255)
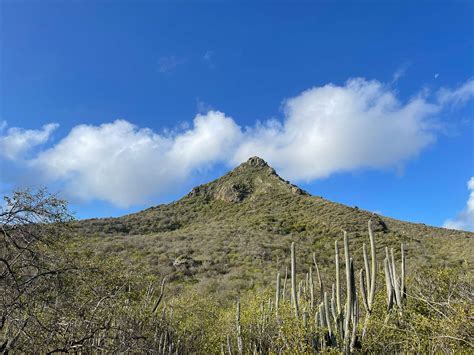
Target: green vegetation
(96,285)
(235,244)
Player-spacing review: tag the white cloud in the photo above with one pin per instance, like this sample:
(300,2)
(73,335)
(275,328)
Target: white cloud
(340,128)
(327,129)
(457,96)
(465,219)
(17,141)
(123,164)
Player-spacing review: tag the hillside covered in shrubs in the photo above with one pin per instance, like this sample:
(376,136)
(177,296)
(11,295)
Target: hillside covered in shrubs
(231,234)
(248,263)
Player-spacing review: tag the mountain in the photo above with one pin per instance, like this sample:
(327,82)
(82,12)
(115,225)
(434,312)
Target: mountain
(234,232)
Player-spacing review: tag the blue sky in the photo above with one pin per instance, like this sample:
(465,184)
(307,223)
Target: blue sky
(122,105)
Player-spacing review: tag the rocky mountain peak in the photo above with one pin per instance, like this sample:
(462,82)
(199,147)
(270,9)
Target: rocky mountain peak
(249,180)
(254,164)
(256,161)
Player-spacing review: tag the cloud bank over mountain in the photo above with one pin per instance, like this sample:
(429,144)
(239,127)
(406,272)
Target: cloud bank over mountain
(326,129)
(340,128)
(124,164)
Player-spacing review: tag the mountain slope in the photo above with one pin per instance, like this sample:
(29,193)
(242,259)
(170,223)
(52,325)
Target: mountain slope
(234,232)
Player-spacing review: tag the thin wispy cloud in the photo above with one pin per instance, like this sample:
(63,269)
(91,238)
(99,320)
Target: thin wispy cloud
(203,107)
(208,58)
(459,96)
(399,73)
(324,130)
(167,64)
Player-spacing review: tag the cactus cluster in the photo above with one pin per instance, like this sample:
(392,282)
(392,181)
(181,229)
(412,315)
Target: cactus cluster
(334,322)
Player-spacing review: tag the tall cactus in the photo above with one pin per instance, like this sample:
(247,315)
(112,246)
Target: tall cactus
(294,298)
(388,283)
(373,264)
(349,295)
(368,277)
(283,295)
(396,283)
(366,269)
(355,321)
(327,314)
(369,274)
(333,307)
(240,345)
(320,282)
(277,293)
(338,280)
(350,316)
(402,281)
(363,290)
(333,315)
(339,319)
(396,291)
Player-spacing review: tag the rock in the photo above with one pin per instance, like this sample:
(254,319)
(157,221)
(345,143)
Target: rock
(234,193)
(184,261)
(257,161)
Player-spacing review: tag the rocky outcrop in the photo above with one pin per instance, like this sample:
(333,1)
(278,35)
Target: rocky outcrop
(248,180)
(184,261)
(233,192)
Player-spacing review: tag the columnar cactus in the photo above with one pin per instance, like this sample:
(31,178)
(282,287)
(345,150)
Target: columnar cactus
(402,282)
(396,283)
(333,307)
(283,295)
(240,345)
(333,315)
(349,288)
(373,265)
(294,298)
(327,314)
(320,282)
(338,281)
(277,293)
(368,277)
(388,283)
(396,292)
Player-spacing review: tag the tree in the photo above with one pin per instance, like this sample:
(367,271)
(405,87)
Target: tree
(32,227)
(53,299)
